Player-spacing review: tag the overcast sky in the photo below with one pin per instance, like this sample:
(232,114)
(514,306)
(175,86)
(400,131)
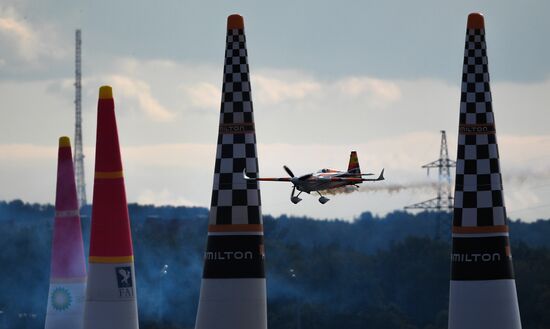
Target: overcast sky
(379,77)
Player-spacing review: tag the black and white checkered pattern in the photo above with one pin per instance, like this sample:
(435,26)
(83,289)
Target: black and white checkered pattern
(235,200)
(478,192)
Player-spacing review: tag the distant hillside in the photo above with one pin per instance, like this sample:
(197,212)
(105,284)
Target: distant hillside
(375,272)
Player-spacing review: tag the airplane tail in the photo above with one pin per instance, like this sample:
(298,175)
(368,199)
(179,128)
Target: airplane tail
(353,166)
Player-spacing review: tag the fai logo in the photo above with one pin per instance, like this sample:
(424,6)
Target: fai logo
(124,276)
(124,280)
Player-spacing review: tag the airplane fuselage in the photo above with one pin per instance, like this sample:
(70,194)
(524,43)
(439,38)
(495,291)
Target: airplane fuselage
(321,181)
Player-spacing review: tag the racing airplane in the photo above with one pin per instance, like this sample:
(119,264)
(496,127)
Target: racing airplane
(324,179)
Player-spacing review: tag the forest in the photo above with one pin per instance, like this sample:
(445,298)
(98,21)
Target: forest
(372,272)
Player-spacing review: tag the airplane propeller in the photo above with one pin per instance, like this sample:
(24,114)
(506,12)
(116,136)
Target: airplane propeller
(291,174)
(288,171)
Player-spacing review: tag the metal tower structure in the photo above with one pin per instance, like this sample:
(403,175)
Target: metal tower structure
(444,199)
(78,153)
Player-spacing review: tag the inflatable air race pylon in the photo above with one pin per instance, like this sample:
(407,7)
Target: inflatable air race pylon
(111,291)
(483,289)
(233,288)
(68,268)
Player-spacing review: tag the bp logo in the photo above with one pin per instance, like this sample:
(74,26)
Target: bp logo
(61,299)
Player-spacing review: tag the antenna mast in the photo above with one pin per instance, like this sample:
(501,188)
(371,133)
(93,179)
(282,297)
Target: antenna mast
(78,153)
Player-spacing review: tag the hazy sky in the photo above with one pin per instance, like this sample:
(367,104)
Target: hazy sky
(379,77)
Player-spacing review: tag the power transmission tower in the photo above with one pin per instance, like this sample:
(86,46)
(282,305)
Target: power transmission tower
(444,200)
(78,154)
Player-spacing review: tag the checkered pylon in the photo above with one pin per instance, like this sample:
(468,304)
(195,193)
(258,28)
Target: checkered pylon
(478,192)
(234,200)
(233,287)
(235,221)
(478,202)
(482,288)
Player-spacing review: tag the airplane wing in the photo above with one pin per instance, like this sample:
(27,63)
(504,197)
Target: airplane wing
(357,179)
(282,179)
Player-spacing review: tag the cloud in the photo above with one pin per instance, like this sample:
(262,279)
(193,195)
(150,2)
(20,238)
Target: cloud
(186,156)
(270,90)
(271,87)
(17,153)
(181,173)
(293,88)
(140,91)
(380,92)
(23,42)
(203,95)
(525,152)
(162,198)
(303,120)
(18,32)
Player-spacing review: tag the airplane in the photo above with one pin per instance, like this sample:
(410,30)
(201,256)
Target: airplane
(324,179)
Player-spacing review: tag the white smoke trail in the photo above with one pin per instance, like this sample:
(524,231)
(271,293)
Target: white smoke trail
(522,179)
(527,178)
(387,188)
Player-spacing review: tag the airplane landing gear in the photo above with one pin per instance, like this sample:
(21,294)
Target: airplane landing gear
(295,199)
(322,199)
